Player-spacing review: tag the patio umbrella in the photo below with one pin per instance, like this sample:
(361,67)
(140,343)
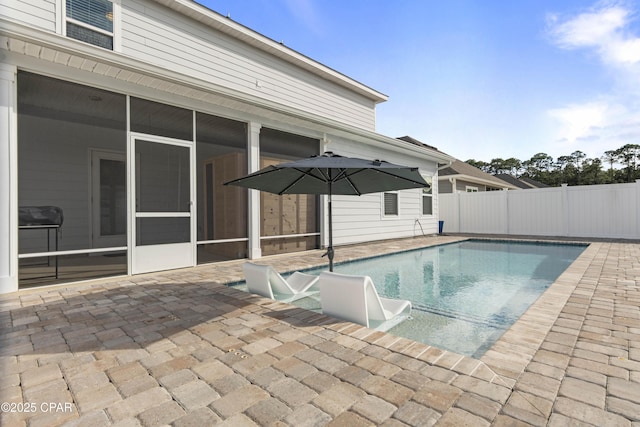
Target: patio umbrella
(332,174)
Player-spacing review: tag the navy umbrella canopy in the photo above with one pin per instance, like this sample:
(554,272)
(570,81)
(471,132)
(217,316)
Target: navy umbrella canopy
(332,174)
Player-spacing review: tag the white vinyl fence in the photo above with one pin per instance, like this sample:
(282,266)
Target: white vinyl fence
(596,211)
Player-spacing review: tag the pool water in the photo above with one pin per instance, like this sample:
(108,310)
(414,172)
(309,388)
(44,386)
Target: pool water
(465,295)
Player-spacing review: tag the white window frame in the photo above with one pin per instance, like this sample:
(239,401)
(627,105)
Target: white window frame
(116,35)
(470,189)
(429,179)
(384,215)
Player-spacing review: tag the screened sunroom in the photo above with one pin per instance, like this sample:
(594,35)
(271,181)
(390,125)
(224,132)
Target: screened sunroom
(138,185)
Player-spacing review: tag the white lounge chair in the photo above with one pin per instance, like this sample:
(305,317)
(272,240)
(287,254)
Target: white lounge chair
(355,299)
(267,282)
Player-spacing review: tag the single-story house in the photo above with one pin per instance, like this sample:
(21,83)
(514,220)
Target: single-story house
(121,119)
(462,177)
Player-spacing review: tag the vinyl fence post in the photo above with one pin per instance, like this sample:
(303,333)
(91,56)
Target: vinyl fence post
(456,211)
(505,199)
(565,210)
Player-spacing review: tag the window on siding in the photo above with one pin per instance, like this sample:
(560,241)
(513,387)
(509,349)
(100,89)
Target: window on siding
(427,196)
(390,204)
(471,189)
(90,21)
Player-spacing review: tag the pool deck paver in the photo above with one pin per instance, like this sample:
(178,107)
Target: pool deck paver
(181,348)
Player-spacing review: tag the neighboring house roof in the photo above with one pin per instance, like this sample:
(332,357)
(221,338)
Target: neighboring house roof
(512,180)
(464,171)
(523,183)
(416,142)
(534,183)
(431,148)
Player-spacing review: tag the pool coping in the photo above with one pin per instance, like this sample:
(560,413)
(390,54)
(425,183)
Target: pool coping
(527,333)
(507,358)
(512,352)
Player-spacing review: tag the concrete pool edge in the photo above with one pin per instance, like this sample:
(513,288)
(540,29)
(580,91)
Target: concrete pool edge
(512,352)
(508,357)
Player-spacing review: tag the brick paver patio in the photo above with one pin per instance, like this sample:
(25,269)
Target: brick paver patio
(181,348)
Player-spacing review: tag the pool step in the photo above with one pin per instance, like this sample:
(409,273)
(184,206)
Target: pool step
(496,321)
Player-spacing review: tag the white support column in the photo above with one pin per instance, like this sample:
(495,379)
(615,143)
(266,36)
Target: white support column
(8,180)
(253,158)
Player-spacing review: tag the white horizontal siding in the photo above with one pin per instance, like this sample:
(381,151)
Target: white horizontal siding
(35,13)
(160,36)
(597,211)
(360,218)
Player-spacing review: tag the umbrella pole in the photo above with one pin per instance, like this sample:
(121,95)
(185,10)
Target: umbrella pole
(330,248)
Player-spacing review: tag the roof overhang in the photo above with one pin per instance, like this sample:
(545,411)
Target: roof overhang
(238,31)
(29,46)
(475,180)
(382,141)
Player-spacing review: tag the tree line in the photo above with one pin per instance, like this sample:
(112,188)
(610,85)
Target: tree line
(616,166)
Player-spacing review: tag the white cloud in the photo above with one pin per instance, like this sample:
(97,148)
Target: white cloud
(595,127)
(603,28)
(624,51)
(589,29)
(610,119)
(579,121)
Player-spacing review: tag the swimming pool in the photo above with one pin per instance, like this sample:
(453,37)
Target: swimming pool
(465,295)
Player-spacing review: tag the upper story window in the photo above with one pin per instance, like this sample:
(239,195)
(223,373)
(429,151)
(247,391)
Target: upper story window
(90,21)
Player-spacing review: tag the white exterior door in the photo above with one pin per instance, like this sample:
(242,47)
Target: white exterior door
(161,196)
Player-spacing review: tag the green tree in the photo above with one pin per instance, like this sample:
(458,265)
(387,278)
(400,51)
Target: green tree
(611,158)
(538,167)
(628,155)
(497,166)
(577,160)
(483,166)
(573,169)
(563,169)
(514,166)
(592,172)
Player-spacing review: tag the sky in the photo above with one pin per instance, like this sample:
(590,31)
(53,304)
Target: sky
(478,79)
